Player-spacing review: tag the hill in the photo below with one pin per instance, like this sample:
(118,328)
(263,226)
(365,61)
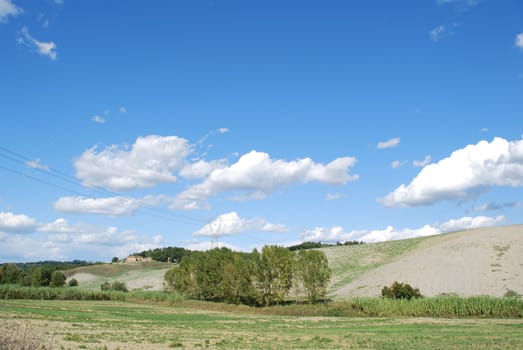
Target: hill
(147,276)
(485,261)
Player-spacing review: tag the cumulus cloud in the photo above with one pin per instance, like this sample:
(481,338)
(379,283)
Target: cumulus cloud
(469,222)
(149,161)
(519,40)
(113,206)
(17,223)
(43,48)
(8,8)
(463,173)
(338,234)
(422,163)
(394,142)
(201,168)
(231,224)
(223,130)
(36,164)
(255,175)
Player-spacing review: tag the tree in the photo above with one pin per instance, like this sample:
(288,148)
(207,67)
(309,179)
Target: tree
(115,260)
(57,279)
(313,273)
(272,273)
(40,277)
(9,274)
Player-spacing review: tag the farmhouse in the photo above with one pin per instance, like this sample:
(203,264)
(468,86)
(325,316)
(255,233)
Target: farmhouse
(137,259)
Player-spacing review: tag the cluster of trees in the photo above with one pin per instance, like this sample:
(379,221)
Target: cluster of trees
(257,278)
(168,254)
(314,245)
(115,286)
(40,276)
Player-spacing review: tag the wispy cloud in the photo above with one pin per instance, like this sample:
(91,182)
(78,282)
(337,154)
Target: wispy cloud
(442,31)
(519,40)
(98,119)
(36,164)
(422,163)
(43,48)
(334,196)
(122,110)
(394,142)
(395,164)
(8,8)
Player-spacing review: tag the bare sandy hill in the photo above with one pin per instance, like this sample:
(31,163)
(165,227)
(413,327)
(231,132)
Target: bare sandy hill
(485,261)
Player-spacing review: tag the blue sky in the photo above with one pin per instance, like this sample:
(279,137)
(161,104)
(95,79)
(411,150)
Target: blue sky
(129,125)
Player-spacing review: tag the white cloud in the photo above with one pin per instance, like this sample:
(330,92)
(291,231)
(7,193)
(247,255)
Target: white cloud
(256,175)
(394,142)
(468,222)
(422,163)
(231,224)
(223,130)
(43,48)
(105,206)
(149,161)
(201,168)
(98,119)
(36,164)
(519,40)
(13,223)
(8,8)
(483,130)
(338,234)
(122,110)
(463,173)
(334,196)
(397,164)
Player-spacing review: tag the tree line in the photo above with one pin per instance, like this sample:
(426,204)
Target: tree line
(38,274)
(265,277)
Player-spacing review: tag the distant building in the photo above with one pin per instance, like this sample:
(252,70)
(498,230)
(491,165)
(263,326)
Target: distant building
(137,259)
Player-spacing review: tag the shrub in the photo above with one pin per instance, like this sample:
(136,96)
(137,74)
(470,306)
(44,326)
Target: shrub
(116,286)
(400,291)
(73,283)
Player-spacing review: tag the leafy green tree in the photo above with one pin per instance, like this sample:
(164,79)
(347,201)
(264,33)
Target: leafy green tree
(40,277)
(9,274)
(57,279)
(273,273)
(313,273)
(115,260)
(105,286)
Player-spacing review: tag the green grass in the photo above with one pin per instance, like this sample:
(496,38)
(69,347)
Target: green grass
(95,325)
(349,262)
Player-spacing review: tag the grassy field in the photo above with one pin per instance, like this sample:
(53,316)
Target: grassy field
(349,262)
(117,325)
